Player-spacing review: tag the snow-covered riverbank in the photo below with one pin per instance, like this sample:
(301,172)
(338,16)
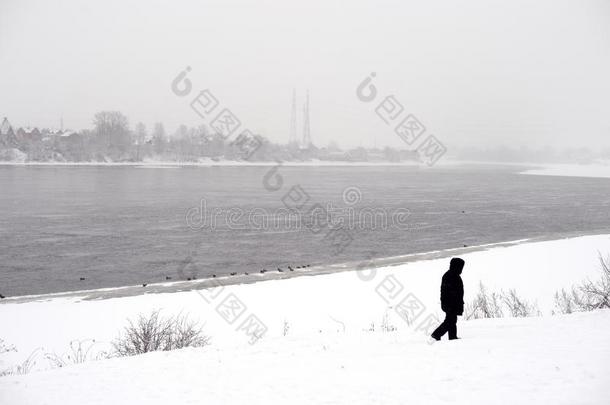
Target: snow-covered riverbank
(309,304)
(329,352)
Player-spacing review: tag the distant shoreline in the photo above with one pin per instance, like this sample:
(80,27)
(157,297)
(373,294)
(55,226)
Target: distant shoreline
(590,170)
(233,163)
(163,164)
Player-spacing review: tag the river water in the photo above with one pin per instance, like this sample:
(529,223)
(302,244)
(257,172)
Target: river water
(117,226)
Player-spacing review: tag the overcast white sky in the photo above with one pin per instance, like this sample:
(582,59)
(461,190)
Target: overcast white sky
(481,72)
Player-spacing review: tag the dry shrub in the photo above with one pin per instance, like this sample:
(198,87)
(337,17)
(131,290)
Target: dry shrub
(80,352)
(492,305)
(484,305)
(588,295)
(155,333)
(517,306)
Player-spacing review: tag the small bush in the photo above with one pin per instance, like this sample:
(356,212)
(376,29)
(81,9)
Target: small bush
(80,352)
(24,367)
(155,333)
(492,305)
(517,306)
(386,323)
(596,294)
(565,302)
(485,305)
(587,296)
(5,348)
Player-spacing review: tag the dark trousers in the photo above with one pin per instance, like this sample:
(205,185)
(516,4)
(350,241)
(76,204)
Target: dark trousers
(448,325)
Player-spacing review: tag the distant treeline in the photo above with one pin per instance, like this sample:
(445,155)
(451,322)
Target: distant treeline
(112,140)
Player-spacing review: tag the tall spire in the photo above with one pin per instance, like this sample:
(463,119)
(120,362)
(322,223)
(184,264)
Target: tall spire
(292,136)
(306,129)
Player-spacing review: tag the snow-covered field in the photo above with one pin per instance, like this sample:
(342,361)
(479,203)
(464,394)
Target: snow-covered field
(553,360)
(328,354)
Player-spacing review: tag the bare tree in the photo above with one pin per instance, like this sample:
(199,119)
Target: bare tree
(140,135)
(112,130)
(159,138)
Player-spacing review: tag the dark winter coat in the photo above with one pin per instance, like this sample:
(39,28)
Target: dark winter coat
(452,288)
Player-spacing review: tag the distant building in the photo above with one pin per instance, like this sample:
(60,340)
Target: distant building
(28,135)
(49,134)
(67,133)
(68,139)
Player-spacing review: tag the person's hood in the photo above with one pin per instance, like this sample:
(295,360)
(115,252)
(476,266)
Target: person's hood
(456,265)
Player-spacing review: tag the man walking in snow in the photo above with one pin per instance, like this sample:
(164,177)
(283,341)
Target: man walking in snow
(452,299)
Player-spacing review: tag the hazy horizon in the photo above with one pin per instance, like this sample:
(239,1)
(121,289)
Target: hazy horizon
(538,76)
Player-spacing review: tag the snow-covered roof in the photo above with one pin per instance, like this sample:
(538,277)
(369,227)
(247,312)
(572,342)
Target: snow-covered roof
(28,130)
(48,131)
